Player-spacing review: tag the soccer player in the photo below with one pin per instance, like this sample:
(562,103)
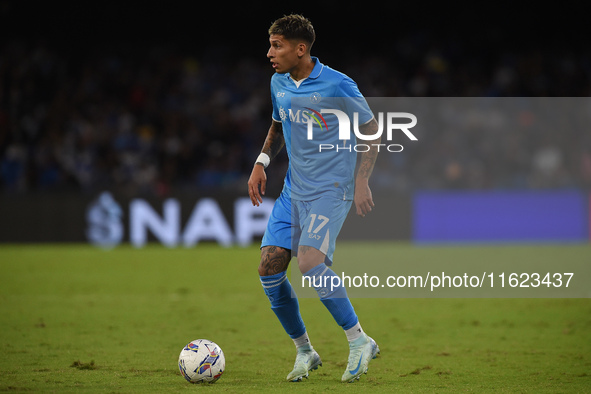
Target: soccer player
(318,191)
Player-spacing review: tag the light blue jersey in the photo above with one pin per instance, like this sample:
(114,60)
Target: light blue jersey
(304,109)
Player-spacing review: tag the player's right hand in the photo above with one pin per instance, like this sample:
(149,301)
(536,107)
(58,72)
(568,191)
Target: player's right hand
(257,183)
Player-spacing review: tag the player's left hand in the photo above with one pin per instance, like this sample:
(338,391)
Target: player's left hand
(363,198)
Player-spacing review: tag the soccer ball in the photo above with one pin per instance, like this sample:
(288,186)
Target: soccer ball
(202,361)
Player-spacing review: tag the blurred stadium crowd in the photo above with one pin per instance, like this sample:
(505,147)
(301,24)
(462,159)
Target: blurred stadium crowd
(159,120)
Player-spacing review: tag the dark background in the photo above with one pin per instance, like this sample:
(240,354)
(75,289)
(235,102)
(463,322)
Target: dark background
(152,98)
(371,26)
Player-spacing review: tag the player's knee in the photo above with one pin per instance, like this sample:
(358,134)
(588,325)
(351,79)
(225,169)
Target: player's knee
(274,260)
(263,270)
(309,257)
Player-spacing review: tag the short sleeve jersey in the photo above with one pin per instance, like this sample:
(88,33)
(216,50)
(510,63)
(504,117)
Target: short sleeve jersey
(316,169)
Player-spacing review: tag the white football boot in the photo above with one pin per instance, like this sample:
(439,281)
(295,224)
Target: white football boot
(306,360)
(361,352)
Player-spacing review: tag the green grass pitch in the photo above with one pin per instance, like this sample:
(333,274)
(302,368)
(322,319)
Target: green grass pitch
(74,318)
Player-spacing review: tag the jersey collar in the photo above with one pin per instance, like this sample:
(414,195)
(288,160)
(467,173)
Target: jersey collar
(315,71)
(317,68)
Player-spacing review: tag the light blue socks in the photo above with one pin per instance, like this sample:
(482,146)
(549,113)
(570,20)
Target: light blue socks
(333,295)
(284,303)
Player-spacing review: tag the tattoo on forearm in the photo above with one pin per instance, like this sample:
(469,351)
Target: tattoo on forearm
(274,141)
(368,159)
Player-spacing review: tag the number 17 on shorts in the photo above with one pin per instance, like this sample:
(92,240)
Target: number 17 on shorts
(320,222)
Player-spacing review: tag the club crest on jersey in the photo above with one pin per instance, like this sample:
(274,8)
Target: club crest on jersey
(315,98)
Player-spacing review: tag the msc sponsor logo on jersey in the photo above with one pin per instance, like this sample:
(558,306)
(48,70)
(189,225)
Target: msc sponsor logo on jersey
(298,116)
(283,114)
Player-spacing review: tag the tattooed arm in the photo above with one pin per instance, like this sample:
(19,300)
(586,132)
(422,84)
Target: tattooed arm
(363,198)
(258,179)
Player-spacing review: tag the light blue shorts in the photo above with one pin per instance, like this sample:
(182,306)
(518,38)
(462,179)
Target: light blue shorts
(314,223)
